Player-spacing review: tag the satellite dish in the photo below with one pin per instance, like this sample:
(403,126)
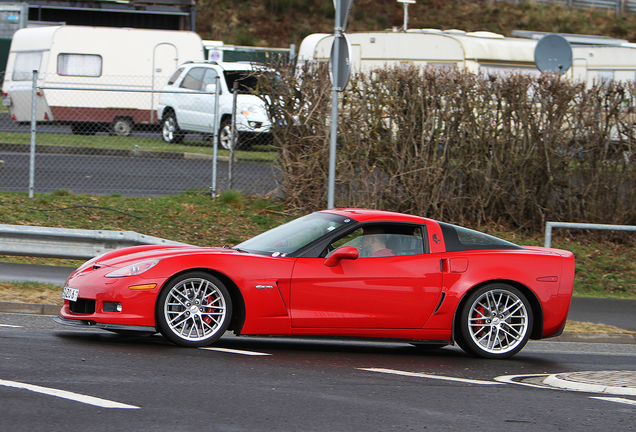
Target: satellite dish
(553,53)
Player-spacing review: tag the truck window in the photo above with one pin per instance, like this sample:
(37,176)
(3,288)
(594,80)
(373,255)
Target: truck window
(193,80)
(247,81)
(175,76)
(25,64)
(87,65)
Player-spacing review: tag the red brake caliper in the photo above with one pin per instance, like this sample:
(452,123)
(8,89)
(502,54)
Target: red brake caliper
(480,309)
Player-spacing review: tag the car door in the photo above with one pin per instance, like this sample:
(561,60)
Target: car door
(390,292)
(195,107)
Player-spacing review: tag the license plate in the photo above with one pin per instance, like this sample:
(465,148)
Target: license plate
(6,100)
(70,294)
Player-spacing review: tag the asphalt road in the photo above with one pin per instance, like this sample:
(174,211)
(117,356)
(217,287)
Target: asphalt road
(54,378)
(130,176)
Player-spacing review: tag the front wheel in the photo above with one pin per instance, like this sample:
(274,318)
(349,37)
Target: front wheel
(225,135)
(495,322)
(170,131)
(193,310)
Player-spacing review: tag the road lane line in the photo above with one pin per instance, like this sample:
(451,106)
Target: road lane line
(615,399)
(234,351)
(90,400)
(437,377)
(9,325)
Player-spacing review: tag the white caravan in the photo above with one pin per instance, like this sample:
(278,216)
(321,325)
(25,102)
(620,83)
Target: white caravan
(593,61)
(126,65)
(478,51)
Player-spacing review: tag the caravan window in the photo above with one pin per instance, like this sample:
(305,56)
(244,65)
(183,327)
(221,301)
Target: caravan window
(88,65)
(25,64)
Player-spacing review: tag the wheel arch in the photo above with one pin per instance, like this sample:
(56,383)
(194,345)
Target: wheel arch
(166,111)
(238,304)
(535,304)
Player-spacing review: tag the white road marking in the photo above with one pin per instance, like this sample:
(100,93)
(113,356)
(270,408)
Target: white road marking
(615,399)
(90,400)
(9,325)
(421,375)
(233,351)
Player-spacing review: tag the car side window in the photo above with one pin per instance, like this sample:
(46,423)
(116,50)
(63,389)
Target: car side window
(193,80)
(209,78)
(374,241)
(175,76)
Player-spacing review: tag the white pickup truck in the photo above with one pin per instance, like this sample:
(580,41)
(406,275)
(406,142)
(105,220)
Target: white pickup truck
(190,104)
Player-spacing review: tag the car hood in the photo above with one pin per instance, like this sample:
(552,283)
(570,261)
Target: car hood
(122,257)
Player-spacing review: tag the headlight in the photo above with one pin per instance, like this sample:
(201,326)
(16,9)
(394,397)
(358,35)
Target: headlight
(248,110)
(133,269)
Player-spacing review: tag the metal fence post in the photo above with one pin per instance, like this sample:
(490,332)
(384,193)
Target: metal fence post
(215,136)
(233,143)
(34,110)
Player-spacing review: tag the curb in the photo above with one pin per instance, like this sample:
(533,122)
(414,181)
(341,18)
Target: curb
(608,382)
(29,308)
(595,338)
(97,151)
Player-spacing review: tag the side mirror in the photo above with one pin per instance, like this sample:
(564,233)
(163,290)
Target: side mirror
(211,88)
(343,253)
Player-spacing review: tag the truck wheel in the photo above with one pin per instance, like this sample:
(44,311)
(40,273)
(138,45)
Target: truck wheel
(122,126)
(225,135)
(170,131)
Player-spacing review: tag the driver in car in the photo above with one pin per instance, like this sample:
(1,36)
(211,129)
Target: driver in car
(374,242)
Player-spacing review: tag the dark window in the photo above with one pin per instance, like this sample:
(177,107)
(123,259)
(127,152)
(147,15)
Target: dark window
(247,83)
(462,239)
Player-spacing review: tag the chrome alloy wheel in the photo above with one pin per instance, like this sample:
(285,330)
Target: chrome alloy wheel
(498,322)
(195,310)
(170,131)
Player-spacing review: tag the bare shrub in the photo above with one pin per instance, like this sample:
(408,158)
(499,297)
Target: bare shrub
(448,144)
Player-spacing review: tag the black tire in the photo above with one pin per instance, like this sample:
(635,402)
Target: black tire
(495,322)
(122,126)
(193,309)
(225,134)
(170,131)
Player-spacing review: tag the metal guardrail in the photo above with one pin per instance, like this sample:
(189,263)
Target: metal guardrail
(69,243)
(550,225)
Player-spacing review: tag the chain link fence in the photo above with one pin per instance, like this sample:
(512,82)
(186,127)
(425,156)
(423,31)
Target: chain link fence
(110,139)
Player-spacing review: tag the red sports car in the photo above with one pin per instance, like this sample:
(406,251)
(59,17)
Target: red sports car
(345,272)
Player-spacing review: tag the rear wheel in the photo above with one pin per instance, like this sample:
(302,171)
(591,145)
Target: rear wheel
(495,322)
(193,310)
(170,131)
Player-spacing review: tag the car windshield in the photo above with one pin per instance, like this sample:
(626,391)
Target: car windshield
(292,236)
(247,80)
